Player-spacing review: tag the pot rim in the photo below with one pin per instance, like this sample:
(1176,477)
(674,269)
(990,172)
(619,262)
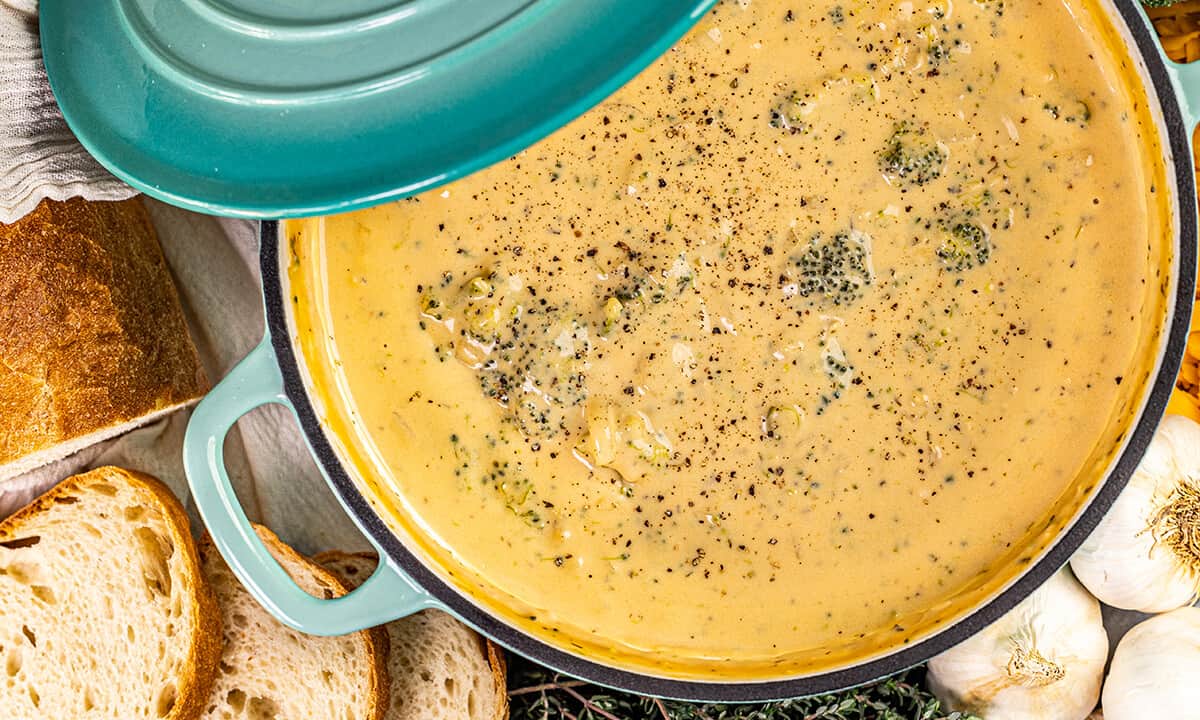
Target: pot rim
(1161,89)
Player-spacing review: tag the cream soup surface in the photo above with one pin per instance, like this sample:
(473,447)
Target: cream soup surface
(797,347)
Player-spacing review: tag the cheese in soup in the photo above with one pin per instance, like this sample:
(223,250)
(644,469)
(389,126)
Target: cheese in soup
(797,347)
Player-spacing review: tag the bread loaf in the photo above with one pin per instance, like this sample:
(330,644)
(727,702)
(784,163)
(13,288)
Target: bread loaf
(93,340)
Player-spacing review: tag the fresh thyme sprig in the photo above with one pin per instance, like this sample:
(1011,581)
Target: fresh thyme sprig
(536,693)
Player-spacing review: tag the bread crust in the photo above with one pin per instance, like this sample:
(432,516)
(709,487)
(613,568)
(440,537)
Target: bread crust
(205,653)
(499,666)
(92,334)
(380,683)
(492,651)
(378,634)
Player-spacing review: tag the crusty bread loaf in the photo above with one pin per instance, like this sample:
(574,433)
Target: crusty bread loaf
(268,670)
(440,669)
(103,610)
(93,340)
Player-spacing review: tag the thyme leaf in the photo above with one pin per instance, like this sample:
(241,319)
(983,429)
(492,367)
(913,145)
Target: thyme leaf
(536,693)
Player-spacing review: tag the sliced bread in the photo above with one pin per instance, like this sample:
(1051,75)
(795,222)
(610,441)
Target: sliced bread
(270,672)
(93,340)
(440,669)
(103,610)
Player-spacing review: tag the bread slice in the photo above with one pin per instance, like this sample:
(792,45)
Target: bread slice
(440,669)
(93,340)
(269,671)
(103,610)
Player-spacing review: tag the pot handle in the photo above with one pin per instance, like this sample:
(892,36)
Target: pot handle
(1185,77)
(387,595)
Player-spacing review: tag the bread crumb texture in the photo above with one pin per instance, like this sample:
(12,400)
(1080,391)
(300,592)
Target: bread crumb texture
(91,330)
(439,668)
(103,613)
(270,672)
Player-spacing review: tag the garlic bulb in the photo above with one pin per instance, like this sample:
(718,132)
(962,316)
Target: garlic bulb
(1044,660)
(1156,669)
(1145,554)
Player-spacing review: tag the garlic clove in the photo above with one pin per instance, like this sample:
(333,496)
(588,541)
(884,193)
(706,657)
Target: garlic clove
(1121,565)
(1043,660)
(1145,553)
(1156,669)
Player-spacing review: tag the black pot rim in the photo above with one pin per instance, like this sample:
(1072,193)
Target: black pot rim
(1054,558)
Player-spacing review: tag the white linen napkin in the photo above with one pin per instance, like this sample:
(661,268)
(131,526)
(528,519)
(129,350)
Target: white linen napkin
(39,157)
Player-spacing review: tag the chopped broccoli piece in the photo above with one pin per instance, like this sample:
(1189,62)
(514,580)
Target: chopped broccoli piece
(788,113)
(996,5)
(1076,112)
(1081,114)
(836,269)
(938,53)
(911,156)
(964,246)
(808,110)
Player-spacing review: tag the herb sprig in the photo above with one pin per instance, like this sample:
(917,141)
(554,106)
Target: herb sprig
(536,693)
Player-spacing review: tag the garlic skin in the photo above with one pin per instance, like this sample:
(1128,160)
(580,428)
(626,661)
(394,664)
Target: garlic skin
(1043,660)
(1145,553)
(1156,669)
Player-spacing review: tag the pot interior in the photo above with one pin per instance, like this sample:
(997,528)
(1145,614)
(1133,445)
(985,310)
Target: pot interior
(972,450)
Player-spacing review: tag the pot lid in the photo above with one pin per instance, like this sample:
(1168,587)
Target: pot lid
(284,108)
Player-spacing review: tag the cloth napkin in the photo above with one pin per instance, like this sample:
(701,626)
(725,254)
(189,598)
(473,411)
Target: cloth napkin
(39,157)
(215,266)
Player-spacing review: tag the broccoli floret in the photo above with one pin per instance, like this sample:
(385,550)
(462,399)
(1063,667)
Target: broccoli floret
(836,269)
(964,246)
(939,52)
(911,155)
(787,113)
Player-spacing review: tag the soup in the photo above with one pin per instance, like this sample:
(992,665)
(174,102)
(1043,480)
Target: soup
(798,347)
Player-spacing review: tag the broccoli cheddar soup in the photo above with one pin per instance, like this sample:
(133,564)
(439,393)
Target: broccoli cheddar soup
(795,349)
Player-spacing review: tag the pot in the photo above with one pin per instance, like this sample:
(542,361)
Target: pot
(404,584)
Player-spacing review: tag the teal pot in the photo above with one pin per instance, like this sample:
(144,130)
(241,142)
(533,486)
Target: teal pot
(268,109)
(403,584)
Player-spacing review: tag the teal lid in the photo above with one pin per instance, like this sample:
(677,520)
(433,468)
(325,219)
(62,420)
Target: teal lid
(285,108)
